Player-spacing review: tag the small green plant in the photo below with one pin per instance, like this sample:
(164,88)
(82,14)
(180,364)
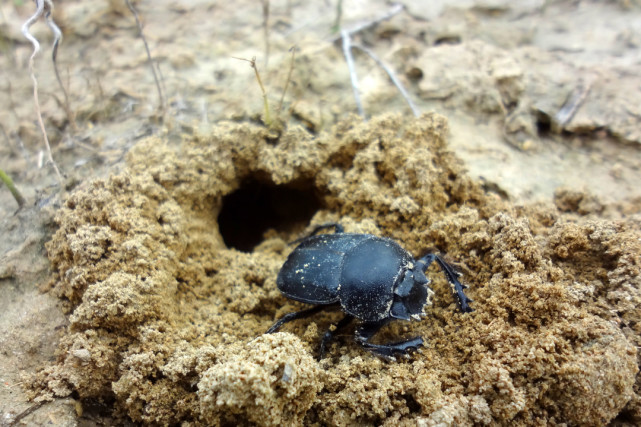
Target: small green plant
(6,179)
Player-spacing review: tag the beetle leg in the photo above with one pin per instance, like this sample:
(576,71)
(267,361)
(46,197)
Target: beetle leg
(367,330)
(330,334)
(337,229)
(293,316)
(452,277)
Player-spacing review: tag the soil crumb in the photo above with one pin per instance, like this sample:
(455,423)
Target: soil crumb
(168,305)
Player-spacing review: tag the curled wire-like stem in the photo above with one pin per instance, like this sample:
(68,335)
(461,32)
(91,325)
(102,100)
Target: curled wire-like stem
(41,5)
(57,39)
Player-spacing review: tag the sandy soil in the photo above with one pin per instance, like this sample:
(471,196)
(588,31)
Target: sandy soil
(138,290)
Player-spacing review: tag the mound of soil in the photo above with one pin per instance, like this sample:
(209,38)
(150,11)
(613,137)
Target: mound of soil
(168,272)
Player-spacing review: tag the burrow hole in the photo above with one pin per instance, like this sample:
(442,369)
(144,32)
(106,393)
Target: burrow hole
(259,205)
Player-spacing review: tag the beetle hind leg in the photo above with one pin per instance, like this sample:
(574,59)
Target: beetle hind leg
(330,334)
(386,351)
(336,226)
(293,316)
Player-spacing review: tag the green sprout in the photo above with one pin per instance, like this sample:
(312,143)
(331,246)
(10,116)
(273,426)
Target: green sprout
(14,191)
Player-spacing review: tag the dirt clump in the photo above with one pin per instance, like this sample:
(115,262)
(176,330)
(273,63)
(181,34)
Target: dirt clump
(167,316)
(273,380)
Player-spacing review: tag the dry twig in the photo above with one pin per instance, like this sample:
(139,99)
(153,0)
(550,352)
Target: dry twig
(18,418)
(572,104)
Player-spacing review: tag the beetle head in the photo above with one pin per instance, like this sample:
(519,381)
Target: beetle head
(411,294)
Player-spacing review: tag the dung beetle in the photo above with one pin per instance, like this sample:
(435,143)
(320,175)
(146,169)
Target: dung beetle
(373,279)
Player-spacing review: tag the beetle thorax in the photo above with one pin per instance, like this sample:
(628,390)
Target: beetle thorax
(411,295)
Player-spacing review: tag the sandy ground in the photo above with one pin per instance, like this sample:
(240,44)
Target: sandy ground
(149,301)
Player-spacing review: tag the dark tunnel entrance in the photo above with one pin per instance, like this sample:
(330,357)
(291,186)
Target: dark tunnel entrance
(260,205)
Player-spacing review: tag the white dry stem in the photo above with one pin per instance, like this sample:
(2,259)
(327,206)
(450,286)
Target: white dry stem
(392,77)
(347,52)
(41,5)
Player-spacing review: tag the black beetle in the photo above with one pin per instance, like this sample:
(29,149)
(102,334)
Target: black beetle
(373,279)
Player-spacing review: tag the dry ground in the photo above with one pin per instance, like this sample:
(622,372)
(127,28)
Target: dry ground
(538,96)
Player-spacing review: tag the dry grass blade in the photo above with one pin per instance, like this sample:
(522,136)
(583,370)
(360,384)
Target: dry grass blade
(266,29)
(41,5)
(161,97)
(289,78)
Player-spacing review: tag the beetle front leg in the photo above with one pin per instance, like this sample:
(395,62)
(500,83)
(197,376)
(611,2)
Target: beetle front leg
(368,329)
(452,278)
